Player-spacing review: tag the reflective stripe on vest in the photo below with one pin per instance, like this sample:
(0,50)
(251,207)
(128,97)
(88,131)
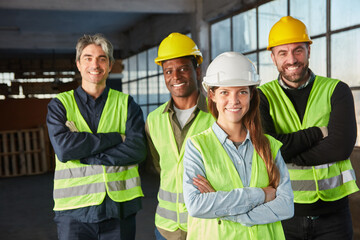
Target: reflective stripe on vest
(199,228)
(328,182)
(79,185)
(171,213)
(170,197)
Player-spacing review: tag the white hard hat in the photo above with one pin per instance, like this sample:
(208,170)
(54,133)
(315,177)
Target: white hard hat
(231,69)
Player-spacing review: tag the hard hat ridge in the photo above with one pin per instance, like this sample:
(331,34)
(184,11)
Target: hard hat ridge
(177,45)
(288,30)
(231,69)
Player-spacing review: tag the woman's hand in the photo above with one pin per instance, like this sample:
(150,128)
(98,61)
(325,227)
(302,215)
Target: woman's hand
(202,184)
(270,193)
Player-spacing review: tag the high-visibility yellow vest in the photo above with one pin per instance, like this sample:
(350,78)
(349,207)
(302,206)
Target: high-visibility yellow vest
(328,182)
(218,163)
(78,185)
(171,213)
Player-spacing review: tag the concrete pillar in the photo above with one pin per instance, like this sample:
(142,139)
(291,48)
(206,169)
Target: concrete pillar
(201,33)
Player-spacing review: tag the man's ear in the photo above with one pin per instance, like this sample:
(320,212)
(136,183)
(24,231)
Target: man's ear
(273,57)
(78,65)
(198,73)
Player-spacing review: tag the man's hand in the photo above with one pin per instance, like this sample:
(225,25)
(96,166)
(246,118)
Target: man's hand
(123,137)
(202,184)
(324,131)
(270,193)
(71,126)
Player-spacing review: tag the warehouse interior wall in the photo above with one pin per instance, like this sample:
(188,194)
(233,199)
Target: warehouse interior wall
(23,113)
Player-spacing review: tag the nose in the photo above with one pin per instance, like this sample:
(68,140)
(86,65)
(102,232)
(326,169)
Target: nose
(95,63)
(234,98)
(291,58)
(176,74)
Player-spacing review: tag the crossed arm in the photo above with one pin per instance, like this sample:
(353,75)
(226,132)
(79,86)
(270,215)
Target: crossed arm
(97,148)
(309,147)
(248,206)
(204,186)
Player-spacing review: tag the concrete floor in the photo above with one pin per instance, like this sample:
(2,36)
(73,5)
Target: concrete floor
(26,208)
(354,200)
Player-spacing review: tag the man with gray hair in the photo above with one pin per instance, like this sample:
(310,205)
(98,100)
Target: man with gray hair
(98,137)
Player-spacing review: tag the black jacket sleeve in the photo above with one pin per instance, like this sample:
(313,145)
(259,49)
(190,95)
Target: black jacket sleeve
(306,147)
(132,150)
(74,145)
(293,143)
(342,132)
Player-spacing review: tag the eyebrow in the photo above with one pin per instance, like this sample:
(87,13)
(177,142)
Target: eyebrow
(184,65)
(284,50)
(229,88)
(89,55)
(281,50)
(299,48)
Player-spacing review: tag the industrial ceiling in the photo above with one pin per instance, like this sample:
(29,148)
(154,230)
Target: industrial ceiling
(50,26)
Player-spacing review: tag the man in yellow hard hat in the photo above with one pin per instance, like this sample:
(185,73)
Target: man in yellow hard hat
(168,127)
(313,116)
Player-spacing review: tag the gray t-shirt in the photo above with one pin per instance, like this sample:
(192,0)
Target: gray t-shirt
(183,114)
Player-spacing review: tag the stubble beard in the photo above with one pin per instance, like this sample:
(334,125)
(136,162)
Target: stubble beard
(295,78)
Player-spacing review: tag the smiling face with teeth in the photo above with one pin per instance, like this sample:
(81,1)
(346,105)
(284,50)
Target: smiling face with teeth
(232,103)
(292,62)
(181,79)
(94,66)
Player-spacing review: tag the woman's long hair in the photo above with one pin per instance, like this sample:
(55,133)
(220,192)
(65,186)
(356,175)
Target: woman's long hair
(252,122)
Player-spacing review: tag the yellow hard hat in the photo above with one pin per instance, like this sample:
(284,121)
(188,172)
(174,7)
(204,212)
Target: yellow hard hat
(288,30)
(177,45)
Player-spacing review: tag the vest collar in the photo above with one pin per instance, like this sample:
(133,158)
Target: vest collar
(310,80)
(223,136)
(201,104)
(84,97)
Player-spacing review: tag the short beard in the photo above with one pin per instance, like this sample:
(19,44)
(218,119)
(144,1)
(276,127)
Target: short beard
(296,78)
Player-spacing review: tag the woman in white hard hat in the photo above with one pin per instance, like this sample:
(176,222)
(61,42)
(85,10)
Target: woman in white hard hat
(236,184)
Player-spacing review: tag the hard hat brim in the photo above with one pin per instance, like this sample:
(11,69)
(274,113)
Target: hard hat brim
(207,85)
(159,60)
(286,42)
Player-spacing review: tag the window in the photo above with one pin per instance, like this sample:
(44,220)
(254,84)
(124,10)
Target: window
(268,15)
(244,31)
(220,36)
(33,84)
(144,81)
(334,27)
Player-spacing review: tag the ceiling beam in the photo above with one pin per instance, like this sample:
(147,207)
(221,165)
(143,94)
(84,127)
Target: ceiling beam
(36,40)
(133,6)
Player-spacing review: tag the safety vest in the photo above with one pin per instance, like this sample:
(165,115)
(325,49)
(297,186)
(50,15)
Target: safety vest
(328,182)
(171,213)
(78,185)
(223,176)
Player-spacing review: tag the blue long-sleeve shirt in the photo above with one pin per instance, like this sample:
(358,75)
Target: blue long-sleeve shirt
(243,205)
(98,148)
